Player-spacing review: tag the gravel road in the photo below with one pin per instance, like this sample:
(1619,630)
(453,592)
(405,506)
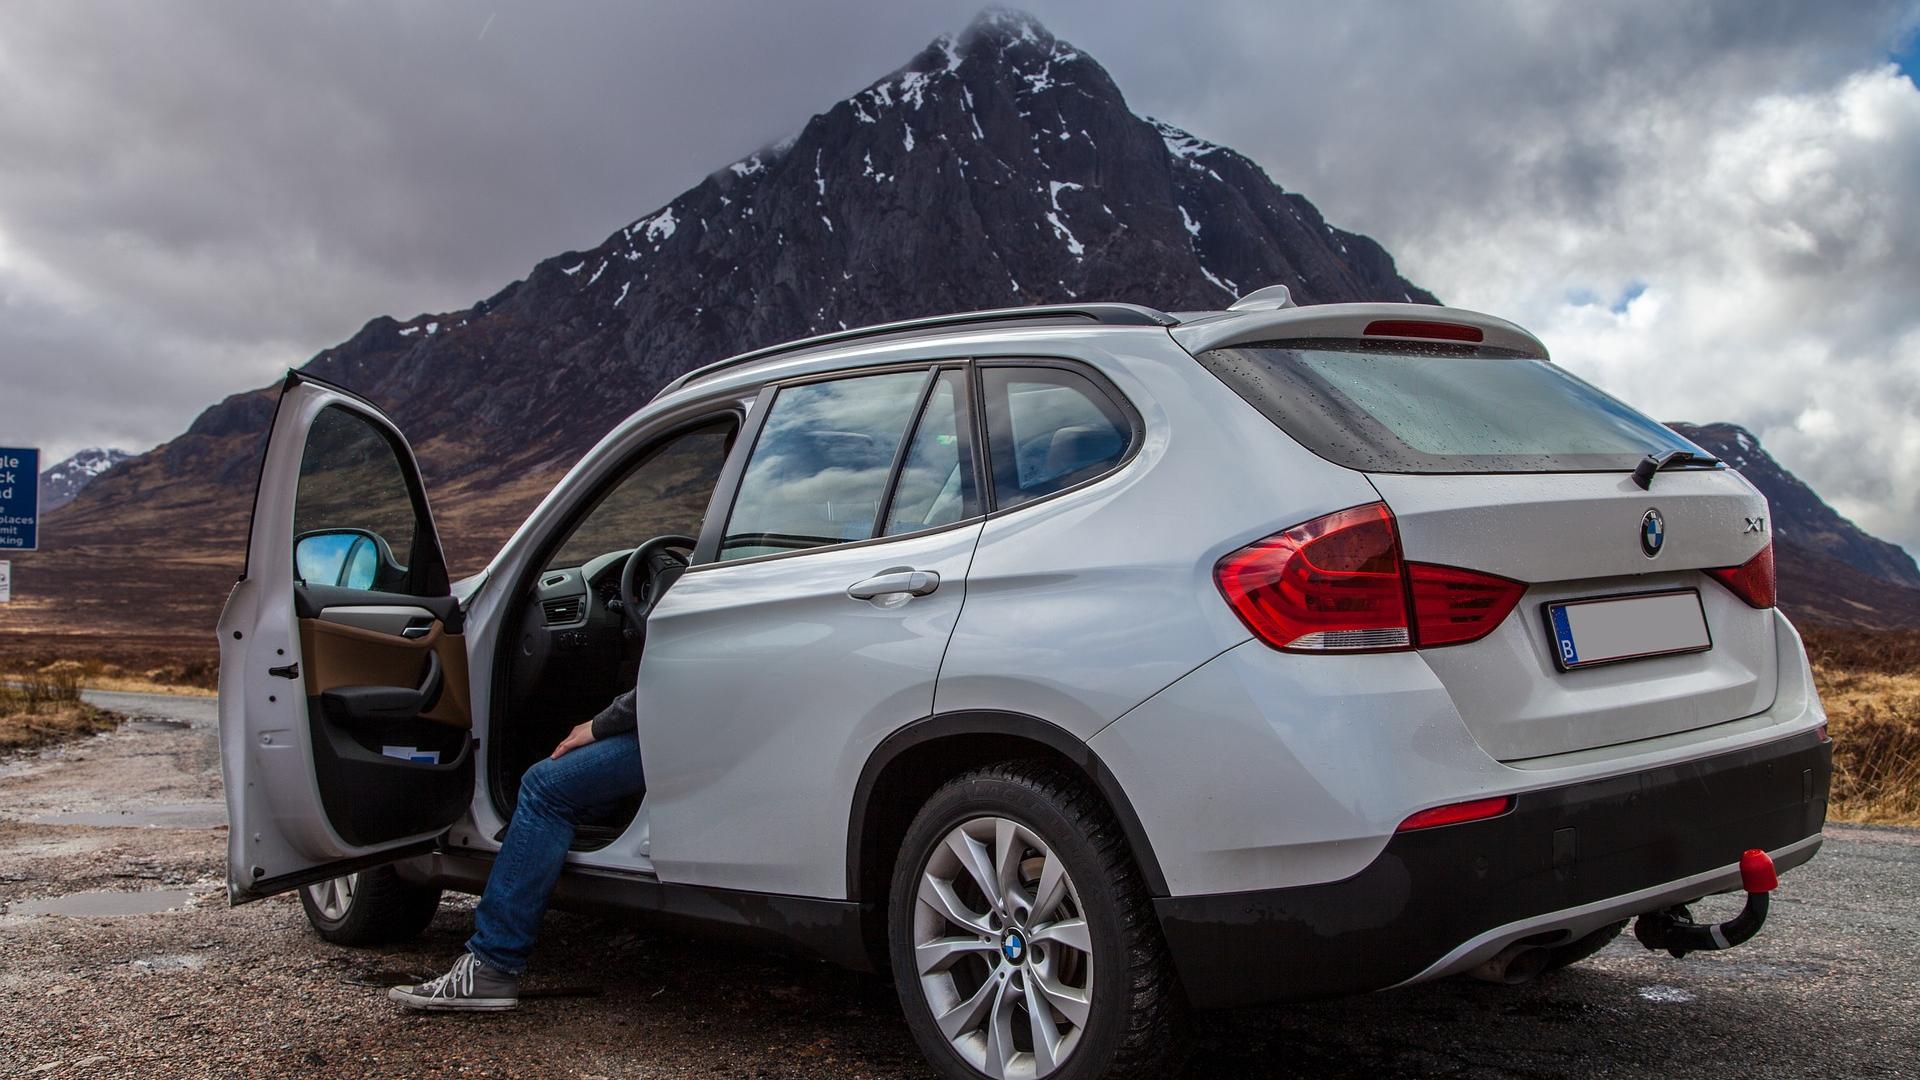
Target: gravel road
(1829,989)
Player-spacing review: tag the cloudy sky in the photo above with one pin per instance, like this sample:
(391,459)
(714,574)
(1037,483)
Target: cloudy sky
(1707,208)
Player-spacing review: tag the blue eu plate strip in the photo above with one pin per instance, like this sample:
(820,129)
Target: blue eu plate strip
(1563,634)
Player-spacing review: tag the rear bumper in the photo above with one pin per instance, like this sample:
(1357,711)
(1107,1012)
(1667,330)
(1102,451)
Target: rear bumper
(1565,860)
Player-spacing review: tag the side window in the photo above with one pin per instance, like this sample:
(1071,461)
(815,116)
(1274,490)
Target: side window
(354,521)
(666,493)
(1048,429)
(936,481)
(820,467)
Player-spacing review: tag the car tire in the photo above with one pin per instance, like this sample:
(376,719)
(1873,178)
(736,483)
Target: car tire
(1115,1005)
(1564,956)
(372,907)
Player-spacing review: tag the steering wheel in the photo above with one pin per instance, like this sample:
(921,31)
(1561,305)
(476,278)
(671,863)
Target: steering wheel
(649,570)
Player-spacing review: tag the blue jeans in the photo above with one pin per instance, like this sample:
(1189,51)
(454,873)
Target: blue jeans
(554,795)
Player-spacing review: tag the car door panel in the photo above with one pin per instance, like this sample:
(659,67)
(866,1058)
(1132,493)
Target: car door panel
(764,689)
(319,780)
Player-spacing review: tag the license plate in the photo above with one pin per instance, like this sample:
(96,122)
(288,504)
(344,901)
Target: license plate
(1609,629)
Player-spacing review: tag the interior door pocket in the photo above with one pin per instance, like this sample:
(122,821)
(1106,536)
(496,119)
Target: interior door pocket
(358,785)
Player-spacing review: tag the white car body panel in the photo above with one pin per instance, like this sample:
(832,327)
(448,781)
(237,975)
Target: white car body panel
(765,687)
(1305,780)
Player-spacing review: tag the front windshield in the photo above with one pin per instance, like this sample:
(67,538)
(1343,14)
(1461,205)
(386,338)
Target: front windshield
(1439,409)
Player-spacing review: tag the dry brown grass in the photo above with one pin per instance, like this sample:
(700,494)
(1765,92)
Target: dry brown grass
(43,706)
(1870,683)
(138,663)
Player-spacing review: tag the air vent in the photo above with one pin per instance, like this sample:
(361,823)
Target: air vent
(564,610)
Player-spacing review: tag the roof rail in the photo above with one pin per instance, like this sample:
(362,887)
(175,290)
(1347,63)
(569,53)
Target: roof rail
(1104,314)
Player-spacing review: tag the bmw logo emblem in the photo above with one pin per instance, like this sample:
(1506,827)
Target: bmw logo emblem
(1653,533)
(1014,948)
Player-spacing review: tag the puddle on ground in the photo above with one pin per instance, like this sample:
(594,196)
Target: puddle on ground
(155,723)
(190,815)
(93,904)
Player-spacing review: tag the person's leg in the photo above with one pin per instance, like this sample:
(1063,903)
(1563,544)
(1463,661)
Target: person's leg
(554,794)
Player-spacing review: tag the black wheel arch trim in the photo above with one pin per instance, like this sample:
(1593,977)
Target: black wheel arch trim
(1016,725)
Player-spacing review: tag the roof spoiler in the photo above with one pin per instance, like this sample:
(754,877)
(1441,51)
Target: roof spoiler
(1424,323)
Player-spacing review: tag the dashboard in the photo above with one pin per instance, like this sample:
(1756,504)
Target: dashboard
(572,614)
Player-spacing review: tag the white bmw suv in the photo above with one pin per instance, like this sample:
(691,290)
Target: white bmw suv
(1072,665)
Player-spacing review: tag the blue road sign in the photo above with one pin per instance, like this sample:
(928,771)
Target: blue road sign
(19,499)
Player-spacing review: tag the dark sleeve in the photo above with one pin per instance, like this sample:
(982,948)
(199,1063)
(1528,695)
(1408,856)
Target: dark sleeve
(617,718)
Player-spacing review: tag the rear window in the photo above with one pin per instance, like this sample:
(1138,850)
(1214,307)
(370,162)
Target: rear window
(1438,409)
(1047,430)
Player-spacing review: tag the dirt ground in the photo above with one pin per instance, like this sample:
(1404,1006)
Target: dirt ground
(194,988)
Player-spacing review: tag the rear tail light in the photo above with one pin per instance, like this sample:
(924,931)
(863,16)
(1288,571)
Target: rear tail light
(1331,583)
(1455,813)
(1752,580)
(1339,584)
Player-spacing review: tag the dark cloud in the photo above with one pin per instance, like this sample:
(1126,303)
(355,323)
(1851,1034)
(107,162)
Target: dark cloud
(197,194)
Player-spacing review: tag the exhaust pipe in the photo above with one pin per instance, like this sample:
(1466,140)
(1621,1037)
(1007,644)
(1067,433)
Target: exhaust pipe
(1675,931)
(1514,965)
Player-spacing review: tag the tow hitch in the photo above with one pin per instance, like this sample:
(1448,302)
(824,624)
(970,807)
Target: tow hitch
(1675,931)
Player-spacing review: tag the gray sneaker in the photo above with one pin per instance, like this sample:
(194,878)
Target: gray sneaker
(470,986)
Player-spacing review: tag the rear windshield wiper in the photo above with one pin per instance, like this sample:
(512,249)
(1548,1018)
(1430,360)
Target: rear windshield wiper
(1653,463)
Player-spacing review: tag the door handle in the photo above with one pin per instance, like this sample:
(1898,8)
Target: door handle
(895,582)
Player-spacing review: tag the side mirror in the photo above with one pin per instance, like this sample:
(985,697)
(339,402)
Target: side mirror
(347,559)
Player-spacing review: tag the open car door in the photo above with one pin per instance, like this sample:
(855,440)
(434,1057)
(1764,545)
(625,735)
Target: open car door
(345,726)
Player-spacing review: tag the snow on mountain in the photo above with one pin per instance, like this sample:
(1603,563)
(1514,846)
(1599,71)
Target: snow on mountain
(61,483)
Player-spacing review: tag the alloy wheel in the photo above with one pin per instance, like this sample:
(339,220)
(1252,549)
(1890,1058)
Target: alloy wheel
(1003,950)
(334,897)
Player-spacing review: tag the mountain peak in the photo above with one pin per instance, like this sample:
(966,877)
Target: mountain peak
(1002,26)
(1002,51)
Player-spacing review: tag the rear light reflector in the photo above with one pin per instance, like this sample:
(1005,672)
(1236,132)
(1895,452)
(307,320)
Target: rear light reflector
(1451,605)
(1421,328)
(1455,813)
(1753,580)
(1338,584)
